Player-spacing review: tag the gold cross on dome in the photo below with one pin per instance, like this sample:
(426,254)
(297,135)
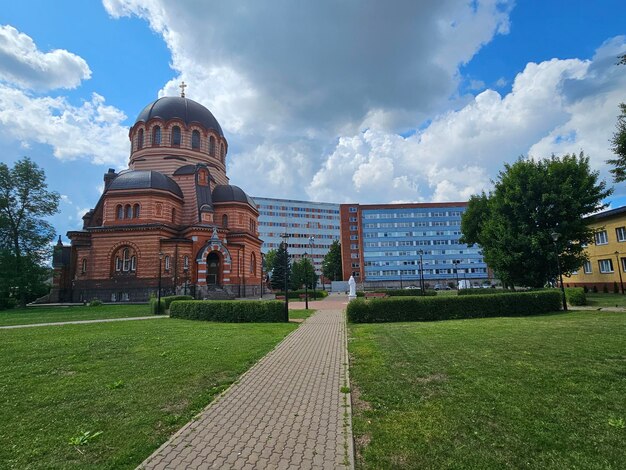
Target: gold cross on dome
(182,87)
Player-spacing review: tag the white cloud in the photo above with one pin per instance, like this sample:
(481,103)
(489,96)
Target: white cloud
(22,64)
(92,131)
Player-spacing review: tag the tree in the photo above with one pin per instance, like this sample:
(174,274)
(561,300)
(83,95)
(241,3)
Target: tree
(24,236)
(531,199)
(303,272)
(279,272)
(331,266)
(269,260)
(618,142)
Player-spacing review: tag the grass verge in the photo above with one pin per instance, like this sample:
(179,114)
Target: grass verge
(136,382)
(533,392)
(300,314)
(31,315)
(606,300)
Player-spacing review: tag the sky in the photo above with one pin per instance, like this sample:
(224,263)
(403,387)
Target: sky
(353,101)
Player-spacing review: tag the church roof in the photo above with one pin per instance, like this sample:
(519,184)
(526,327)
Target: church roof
(170,107)
(145,179)
(231,193)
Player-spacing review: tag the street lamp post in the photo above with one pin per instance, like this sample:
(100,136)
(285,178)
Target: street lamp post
(262,269)
(285,237)
(159,289)
(306,281)
(619,270)
(422,284)
(555,236)
(311,241)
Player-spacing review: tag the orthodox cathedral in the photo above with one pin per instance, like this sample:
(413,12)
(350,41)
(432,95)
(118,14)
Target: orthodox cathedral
(171,219)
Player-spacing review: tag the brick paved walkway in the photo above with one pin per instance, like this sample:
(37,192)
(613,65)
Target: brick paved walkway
(286,412)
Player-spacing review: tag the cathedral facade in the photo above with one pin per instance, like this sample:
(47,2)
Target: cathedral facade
(171,219)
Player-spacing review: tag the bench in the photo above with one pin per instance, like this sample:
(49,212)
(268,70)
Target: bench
(280,297)
(375,295)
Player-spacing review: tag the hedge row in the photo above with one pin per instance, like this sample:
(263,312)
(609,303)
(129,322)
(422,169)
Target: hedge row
(407,292)
(295,294)
(229,311)
(480,291)
(165,303)
(575,296)
(453,307)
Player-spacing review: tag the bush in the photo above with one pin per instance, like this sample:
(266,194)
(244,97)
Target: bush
(7,303)
(406,292)
(575,296)
(486,291)
(586,289)
(454,307)
(295,294)
(95,303)
(615,288)
(229,311)
(171,298)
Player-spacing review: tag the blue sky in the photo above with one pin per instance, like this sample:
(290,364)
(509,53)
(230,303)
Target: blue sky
(341,102)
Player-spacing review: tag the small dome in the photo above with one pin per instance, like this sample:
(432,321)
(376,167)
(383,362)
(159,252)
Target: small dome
(170,107)
(144,179)
(230,193)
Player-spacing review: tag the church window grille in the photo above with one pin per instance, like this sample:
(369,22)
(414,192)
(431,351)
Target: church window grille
(133,263)
(175,135)
(156,135)
(128,211)
(167,263)
(212,146)
(173,215)
(140,139)
(159,209)
(186,263)
(225,221)
(119,211)
(136,211)
(253,264)
(195,140)
(222,153)
(84,266)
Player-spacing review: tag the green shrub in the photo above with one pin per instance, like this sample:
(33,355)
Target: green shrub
(171,298)
(576,296)
(153,306)
(406,292)
(586,289)
(295,294)
(360,293)
(605,288)
(594,289)
(229,311)
(454,307)
(7,303)
(486,291)
(615,288)
(95,303)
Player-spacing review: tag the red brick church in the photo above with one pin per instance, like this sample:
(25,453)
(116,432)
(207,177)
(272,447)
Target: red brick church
(171,212)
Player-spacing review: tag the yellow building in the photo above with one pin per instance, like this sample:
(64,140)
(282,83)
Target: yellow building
(607,256)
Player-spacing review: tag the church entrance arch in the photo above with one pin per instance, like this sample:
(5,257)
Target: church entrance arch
(213,269)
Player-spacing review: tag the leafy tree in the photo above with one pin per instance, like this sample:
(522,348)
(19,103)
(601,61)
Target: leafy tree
(531,199)
(270,260)
(24,235)
(331,266)
(303,272)
(618,141)
(279,272)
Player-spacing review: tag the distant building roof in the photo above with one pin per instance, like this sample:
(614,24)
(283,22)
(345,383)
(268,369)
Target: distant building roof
(606,214)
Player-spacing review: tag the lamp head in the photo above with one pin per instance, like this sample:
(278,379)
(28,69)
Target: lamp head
(555,235)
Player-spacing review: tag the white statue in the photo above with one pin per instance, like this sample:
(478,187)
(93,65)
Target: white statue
(352,284)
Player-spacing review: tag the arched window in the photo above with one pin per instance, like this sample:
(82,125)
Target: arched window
(156,135)
(167,263)
(186,263)
(225,221)
(175,135)
(140,139)
(212,146)
(253,264)
(119,212)
(173,215)
(222,153)
(128,210)
(195,140)
(133,263)
(84,266)
(136,211)
(125,261)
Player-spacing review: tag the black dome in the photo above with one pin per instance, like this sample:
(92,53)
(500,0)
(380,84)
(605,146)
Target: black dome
(230,193)
(145,179)
(170,107)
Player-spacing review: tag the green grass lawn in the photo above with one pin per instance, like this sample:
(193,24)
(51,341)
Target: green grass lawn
(137,382)
(300,314)
(546,392)
(24,316)
(606,300)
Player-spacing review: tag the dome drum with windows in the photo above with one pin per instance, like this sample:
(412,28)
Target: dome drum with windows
(172,212)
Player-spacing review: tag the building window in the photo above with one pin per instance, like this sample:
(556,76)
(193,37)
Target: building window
(186,263)
(225,221)
(140,139)
(601,238)
(156,135)
(176,135)
(623,262)
(352,219)
(173,215)
(195,140)
(354,227)
(212,146)
(354,237)
(253,264)
(136,211)
(222,153)
(587,267)
(159,209)
(125,261)
(606,266)
(119,212)
(352,209)
(167,263)
(83,268)
(621,234)
(128,211)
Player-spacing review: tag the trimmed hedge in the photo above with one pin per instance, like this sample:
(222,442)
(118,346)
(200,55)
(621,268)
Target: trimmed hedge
(453,307)
(295,294)
(229,311)
(407,292)
(481,291)
(575,296)
(165,303)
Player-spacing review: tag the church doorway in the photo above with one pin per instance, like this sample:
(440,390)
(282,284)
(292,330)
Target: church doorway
(212,269)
